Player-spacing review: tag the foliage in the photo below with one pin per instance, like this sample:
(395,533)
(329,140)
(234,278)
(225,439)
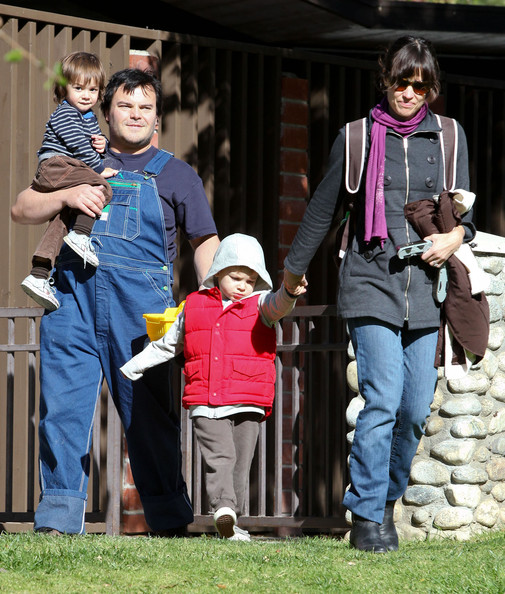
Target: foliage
(17,53)
(96,563)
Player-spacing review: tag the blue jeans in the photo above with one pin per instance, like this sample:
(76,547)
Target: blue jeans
(397,379)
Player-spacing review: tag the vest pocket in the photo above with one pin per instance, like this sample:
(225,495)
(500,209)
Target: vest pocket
(196,374)
(257,370)
(191,369)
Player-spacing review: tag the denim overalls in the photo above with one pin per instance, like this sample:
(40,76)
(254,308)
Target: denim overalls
(99,327)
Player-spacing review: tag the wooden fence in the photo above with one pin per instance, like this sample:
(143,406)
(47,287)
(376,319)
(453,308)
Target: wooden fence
(296,483)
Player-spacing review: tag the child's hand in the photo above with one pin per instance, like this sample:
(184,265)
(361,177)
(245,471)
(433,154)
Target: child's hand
(295,284)
(129,371)
(109,172)
(98,142)
(297,291)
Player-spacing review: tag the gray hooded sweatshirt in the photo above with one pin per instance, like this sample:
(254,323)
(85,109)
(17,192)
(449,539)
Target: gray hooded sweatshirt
(234,250)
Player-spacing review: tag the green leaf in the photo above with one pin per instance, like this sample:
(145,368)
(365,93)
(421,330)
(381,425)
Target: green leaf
(58,74)
(14,55)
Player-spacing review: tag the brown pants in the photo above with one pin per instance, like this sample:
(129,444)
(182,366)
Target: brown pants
(227,447)
(57,173)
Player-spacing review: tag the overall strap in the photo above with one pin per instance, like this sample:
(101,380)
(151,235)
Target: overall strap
(156,164)
(355,151)
(449,142)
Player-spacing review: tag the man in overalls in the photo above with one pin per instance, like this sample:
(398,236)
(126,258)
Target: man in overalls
(99,325)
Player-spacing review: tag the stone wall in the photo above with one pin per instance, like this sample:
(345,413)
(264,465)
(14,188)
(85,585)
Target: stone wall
(457,479)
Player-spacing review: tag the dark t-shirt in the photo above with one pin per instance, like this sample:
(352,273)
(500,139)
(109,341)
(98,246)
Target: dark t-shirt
(183,198)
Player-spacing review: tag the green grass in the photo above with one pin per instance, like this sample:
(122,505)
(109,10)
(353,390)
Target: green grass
(97,563)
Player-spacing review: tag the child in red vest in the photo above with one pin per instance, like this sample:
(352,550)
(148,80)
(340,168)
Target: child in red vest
(226,330)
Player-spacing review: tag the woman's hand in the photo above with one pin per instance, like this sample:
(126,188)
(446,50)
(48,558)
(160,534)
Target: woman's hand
(295,283)
(444,246)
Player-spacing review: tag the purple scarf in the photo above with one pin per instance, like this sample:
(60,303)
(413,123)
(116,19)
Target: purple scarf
(375,214)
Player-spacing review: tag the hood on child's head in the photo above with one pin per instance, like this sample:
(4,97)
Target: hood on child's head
(240,250)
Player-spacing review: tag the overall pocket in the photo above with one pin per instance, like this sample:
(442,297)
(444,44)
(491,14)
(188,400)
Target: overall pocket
(161,283)
(121,217)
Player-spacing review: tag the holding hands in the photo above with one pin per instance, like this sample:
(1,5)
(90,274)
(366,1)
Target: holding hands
(295,284)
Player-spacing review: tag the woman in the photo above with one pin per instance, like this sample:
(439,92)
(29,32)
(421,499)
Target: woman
(387,302)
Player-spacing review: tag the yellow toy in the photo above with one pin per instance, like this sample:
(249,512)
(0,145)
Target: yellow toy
(158,324)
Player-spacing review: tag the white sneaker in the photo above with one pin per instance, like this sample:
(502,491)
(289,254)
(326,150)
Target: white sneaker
(42,291)
(240,534)
(81,244)
(224,520)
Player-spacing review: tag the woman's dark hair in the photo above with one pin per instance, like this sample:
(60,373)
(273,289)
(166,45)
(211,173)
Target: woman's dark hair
(80,67)
(405,58)
(130,79)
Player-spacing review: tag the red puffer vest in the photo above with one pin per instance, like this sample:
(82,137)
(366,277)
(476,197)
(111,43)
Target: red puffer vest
(229,353)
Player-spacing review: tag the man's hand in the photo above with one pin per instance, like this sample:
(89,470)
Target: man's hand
(35,208)
(88,199)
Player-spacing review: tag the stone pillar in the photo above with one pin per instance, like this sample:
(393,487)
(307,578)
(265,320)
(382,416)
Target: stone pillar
(457,479)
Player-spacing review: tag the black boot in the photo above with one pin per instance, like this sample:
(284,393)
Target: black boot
(387,529)
(365,535)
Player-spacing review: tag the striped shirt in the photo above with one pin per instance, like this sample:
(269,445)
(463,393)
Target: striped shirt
(68,131)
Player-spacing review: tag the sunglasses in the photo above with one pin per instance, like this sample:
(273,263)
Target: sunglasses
(419,88)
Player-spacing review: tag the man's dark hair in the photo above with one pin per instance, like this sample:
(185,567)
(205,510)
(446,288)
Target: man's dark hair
(130,79)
